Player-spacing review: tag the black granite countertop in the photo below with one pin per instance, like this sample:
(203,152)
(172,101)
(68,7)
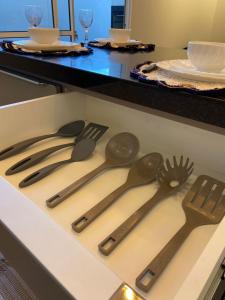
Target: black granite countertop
(108,72)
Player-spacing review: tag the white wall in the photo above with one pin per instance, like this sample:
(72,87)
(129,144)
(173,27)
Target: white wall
(218,29)
(172,23)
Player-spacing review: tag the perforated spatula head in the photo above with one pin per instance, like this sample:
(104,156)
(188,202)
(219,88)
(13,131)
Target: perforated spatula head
(205,202)
(92,131)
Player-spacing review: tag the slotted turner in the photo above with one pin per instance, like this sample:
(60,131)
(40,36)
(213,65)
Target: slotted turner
(204,204)
(170,178)
(81,150)
(68,130)
(91,131)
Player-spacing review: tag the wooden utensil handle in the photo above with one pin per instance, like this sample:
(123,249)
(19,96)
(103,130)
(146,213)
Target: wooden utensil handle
(88,217)
(113,240)
(72,188)
(19,147)
(34,159)
(42,173)
(150,274)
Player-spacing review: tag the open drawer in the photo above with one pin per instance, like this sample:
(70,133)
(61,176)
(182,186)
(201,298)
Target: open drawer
(73,259)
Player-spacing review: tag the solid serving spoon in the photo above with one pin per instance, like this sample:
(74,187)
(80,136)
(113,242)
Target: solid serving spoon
(68,130)
(120,151)
(142,172)
(170,179)
(91,131)
(81,151)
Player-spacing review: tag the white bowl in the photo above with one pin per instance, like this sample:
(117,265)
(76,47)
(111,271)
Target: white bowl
(207,56)
(44,35)
(120,35)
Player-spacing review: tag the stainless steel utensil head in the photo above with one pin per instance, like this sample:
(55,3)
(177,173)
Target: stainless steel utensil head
(144,170)
(206,199)
(174,175)
(92,131)
(122,149)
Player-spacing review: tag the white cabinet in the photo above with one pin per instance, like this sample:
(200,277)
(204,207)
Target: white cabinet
(17,88)
(73,258)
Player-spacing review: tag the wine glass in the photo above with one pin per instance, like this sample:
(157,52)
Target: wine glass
(86,19)
(34,14)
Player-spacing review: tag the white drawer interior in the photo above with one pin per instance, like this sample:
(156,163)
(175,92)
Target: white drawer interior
(155,133)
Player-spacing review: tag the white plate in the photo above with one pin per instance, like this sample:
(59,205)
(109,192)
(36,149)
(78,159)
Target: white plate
(109,40)
(183,68)
(59,45)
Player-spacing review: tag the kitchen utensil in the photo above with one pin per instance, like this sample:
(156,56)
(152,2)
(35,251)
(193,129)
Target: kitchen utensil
(91,131)
(68,130)
(142,172)
(170,179)
(120,151)
(183,68)
(204,204)
(81,151)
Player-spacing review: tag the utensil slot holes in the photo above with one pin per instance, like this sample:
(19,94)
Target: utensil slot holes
(53,198)
(174,183)
(31,177)
(19,164)
(6,150)
(147,278)
(108,244)
(79,224)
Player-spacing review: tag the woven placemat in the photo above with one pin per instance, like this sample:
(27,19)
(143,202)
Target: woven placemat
(148,72)
(127,48)
(9,46)
(12,286)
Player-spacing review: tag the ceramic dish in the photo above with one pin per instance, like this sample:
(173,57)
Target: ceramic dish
(183,68)
(59,45)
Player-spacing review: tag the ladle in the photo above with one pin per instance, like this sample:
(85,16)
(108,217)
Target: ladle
(120,151)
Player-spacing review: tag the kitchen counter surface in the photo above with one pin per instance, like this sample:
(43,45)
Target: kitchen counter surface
(108,72)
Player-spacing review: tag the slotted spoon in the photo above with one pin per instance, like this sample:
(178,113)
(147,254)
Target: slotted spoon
(142,172)
(204,204)
(170,180)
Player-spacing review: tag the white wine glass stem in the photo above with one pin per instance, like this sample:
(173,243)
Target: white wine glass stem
(85,36)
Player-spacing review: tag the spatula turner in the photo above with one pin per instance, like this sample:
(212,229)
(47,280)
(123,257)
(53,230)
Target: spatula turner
(83,147)
(91,131)
(204,204)
(68,130)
